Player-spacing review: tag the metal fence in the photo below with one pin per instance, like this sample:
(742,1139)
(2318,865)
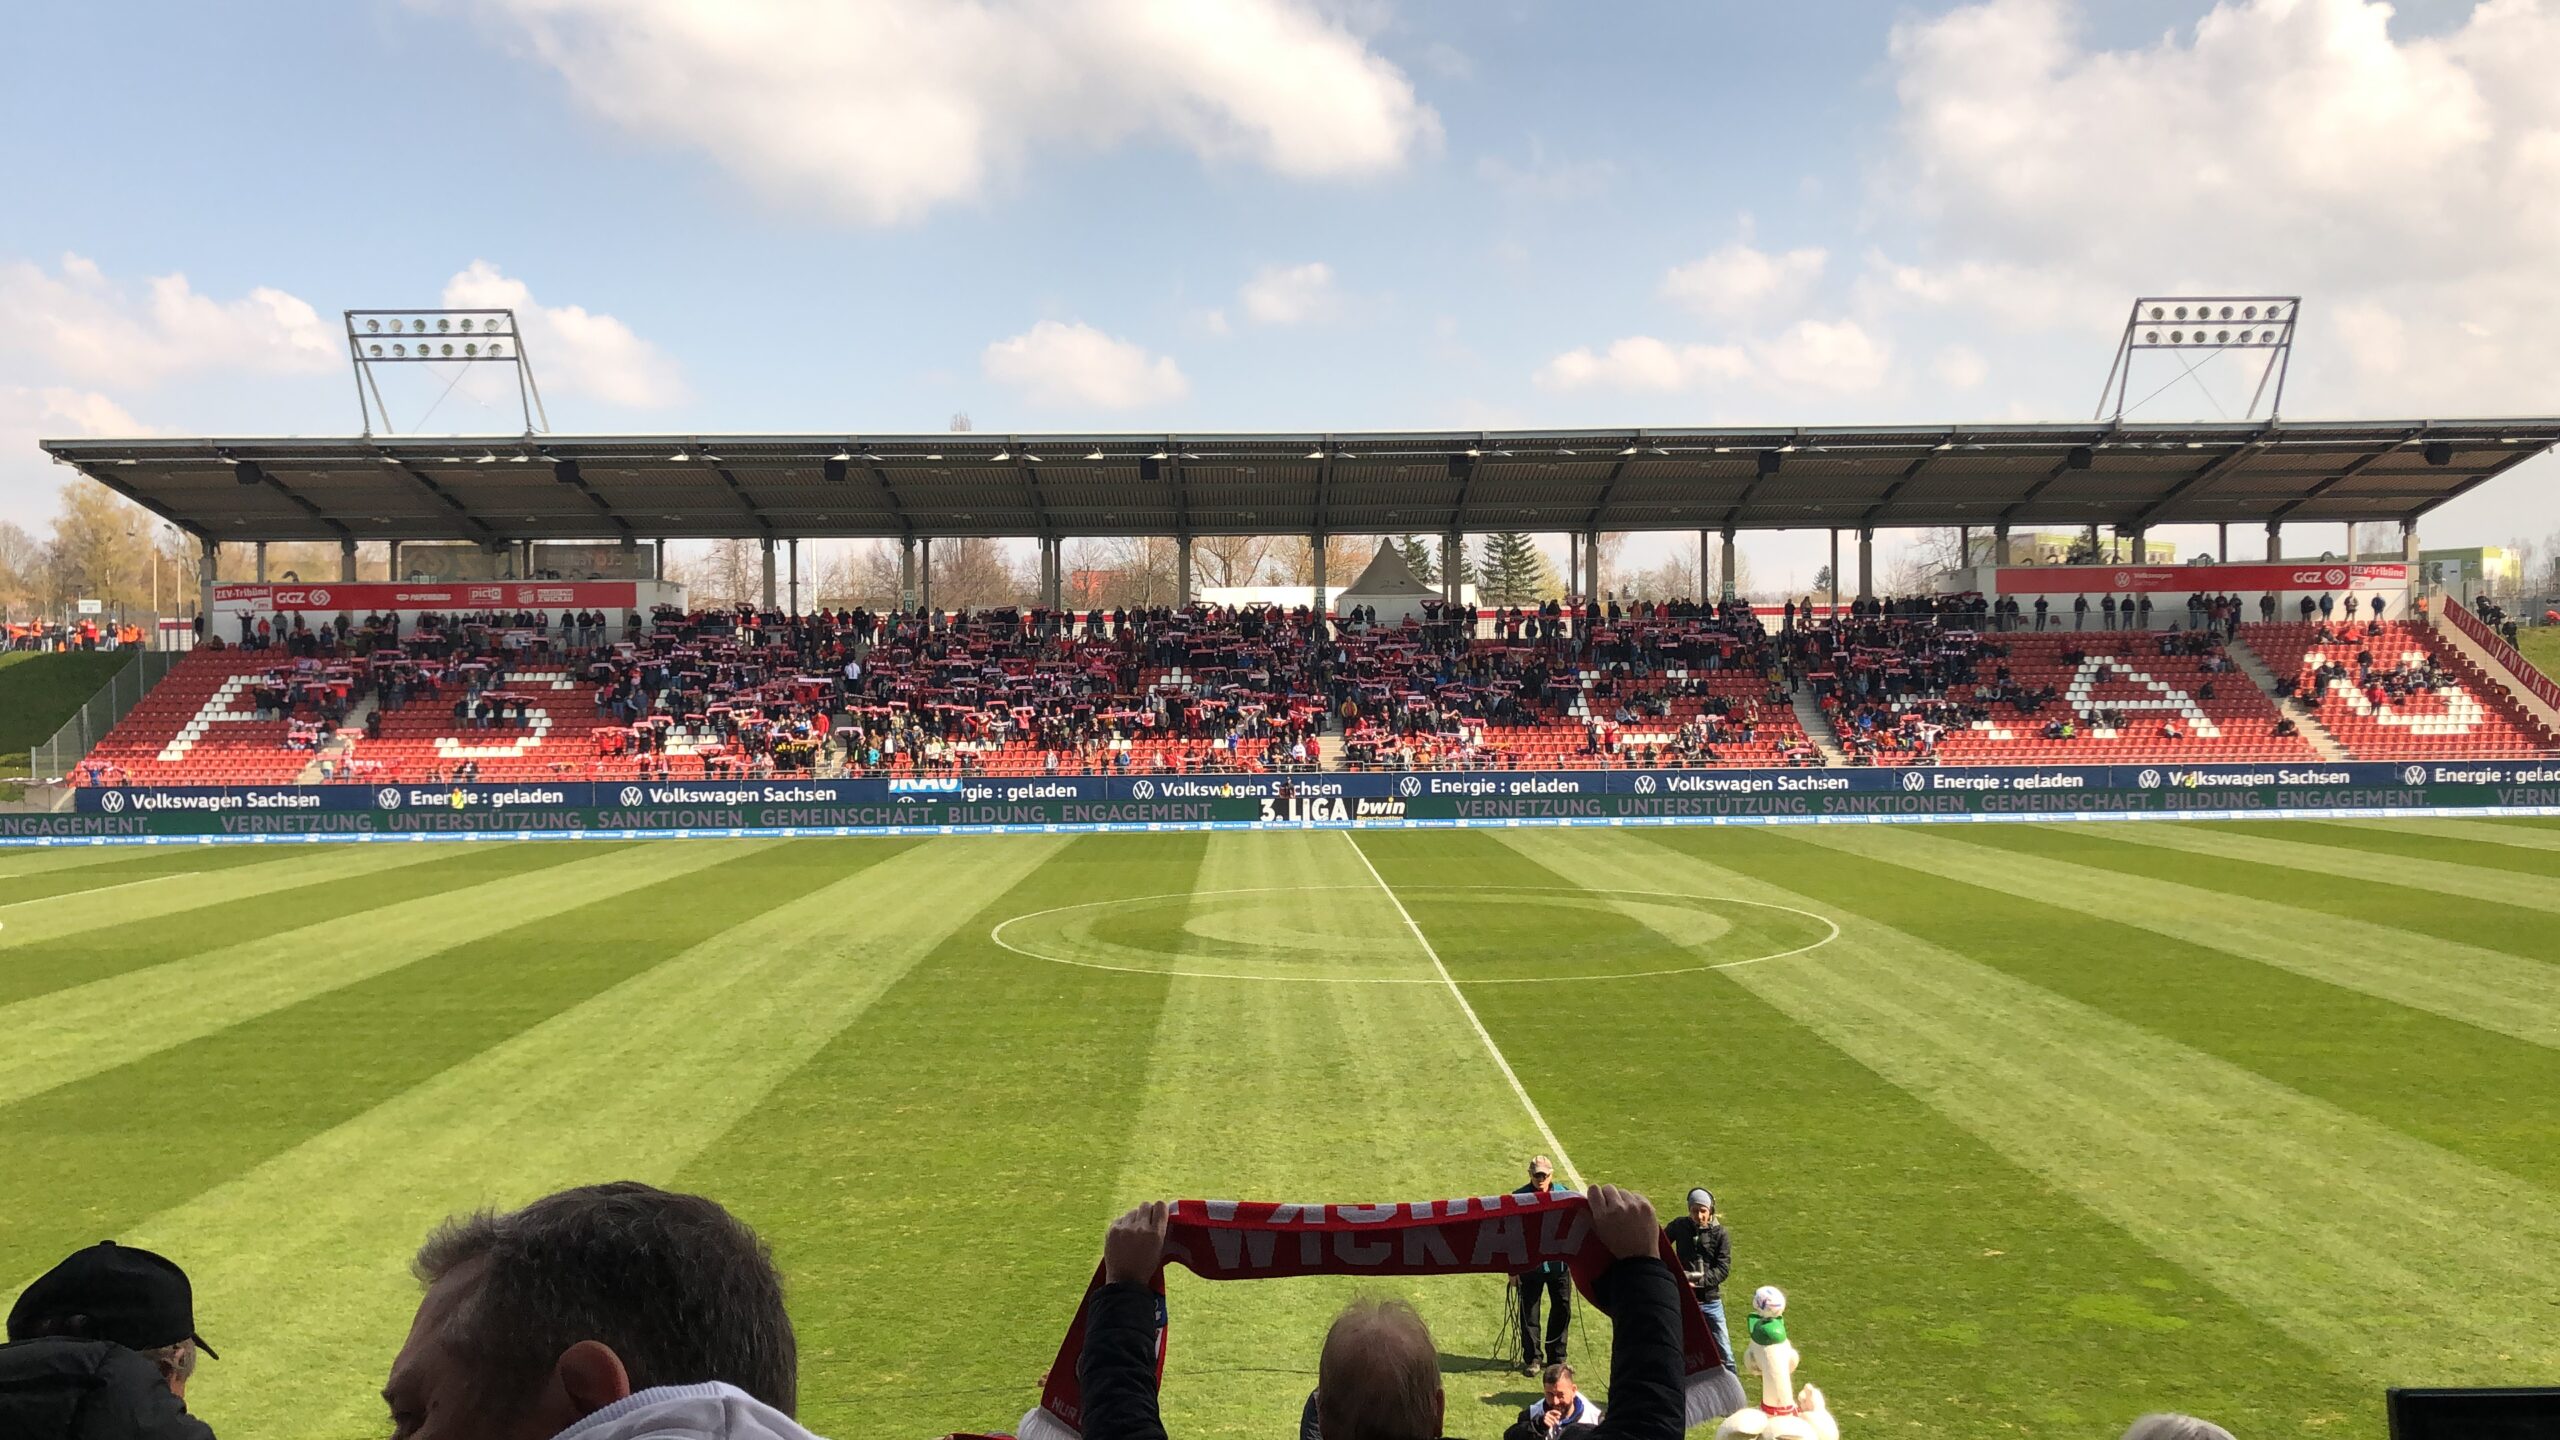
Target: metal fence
(53,759)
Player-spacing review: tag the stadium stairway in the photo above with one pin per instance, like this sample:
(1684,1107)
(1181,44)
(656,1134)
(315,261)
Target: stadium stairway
(2303,716)
(1817,726)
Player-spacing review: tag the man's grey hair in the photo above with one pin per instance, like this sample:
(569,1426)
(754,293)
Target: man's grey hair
(680,1289)
(2175,1427)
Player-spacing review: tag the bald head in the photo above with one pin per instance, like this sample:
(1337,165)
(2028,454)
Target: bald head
(1379,1378)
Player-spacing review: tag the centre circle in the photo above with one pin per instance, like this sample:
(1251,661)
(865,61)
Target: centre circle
(1360,935)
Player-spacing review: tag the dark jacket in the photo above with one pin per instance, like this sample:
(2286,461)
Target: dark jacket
(1705,1251)
(58,1389)
(1645,1402)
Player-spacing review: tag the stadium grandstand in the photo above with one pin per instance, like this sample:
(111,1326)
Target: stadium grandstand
(512,682)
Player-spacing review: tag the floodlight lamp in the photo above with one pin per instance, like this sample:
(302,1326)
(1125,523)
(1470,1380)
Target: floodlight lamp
(2177,337)
(399,350)
(443,326)
(376,352)
(933,457)
(1033,459)
(2249,312)
(2155,313)
(497,350)
(471,349)
(466,326)
(1561,450)
(1475,454)
(418,327)
(489,459)
(1159,455)
(448,347)
(1623,454)
(841,456)
(2182,312)
(1187,455)
(373,327)
(870,458)
(2151,337)
(1658,450)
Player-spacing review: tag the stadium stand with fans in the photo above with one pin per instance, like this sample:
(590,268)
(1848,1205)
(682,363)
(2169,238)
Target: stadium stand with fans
(2396,691)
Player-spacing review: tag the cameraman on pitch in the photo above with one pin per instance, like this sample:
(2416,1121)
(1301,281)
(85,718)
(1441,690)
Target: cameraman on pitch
(1550,1279)
(1706,1252)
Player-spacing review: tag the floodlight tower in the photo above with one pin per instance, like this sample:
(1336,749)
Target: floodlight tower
(438,337)
(2197,329)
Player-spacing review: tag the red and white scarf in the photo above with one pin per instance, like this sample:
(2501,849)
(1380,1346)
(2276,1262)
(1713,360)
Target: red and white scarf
(1479,1235)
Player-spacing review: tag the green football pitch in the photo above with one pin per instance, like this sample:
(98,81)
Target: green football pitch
(2039,1126)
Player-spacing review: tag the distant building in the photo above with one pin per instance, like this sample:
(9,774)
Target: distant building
(2478,570)
(2054,547)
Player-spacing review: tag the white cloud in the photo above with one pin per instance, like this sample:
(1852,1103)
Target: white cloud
(1214,321)
(2408,187)
(1835,355)
(28,413)
(1960,367)
(573,350)
(1641,362)
(1739,281)
(1068,366)
(80,325)
(1290,294)
(886,110)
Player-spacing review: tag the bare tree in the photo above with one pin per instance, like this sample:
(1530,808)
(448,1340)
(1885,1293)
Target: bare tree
(1345,556)
(1674,579)
(1120,570)
(972,573)
(1230,560)
(961,424)
(2519,581)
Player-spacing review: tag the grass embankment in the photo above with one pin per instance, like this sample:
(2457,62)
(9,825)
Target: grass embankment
(38,693)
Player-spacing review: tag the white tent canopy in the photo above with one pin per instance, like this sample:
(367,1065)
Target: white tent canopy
(1388,586)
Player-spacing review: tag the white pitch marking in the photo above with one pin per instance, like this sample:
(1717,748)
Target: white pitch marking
(1544,1129)
(100,889)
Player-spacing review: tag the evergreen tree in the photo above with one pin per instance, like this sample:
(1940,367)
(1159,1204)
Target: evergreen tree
(1418,558)
(1822,580)
(1513,572)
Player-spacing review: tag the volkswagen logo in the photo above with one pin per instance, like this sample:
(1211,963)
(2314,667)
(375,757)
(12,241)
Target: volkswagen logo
(112,801)
(1646,784)
(1914,780)
(630,795)
(2414,775)
(2148,779)
(388,797)
(1143,790)
(2124,580)
(319,598)
(1409,786)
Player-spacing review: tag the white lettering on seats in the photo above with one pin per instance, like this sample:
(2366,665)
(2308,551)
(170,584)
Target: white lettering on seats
(2164,696)
(2462,712)
(216,711)
(537,722)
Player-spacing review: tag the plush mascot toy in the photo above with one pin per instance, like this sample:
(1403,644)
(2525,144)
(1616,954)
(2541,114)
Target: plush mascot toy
(1783,1413)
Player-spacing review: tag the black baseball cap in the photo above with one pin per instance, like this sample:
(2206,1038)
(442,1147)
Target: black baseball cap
(133,1297)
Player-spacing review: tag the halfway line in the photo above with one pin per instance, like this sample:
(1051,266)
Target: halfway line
(1544,1129)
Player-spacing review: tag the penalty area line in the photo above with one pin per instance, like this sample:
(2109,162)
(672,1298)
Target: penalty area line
(1545,1131)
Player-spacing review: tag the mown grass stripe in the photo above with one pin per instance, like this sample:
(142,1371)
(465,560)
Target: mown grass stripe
(2319,850)
(208,1110)
(632,1082)
(63,1035)
(2473,835)
(2272,1196)
(27,861)
(44,947)
(2537,870)
(2475,1093)
(1311,1092)
(18,888)
(936,1178)
(2492,990)
(1938,1287)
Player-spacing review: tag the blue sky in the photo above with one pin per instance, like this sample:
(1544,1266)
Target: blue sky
(1292,214)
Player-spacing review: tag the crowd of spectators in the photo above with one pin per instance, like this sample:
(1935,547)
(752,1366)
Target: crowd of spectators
(86,633)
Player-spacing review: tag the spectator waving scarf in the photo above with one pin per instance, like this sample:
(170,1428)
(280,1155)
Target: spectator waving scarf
(1493,1234)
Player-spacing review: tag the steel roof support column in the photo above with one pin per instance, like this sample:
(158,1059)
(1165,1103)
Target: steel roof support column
(1726,589)
(1572,564)
(924,577)
(2222,543)
(1182,571)
(391,560)
(346,562)
(907,572)
(2000,545)
(208,567)
(2409,562)
(795,574)
(2275,539)
(765,546)
(1453,561)
(261,551)
(658,562)
(1591,562)
(1315,555)
(2351,555)
(1866,563)
(1835,571)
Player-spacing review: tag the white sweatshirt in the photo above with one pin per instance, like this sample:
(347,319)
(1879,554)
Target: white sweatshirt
(713,1411)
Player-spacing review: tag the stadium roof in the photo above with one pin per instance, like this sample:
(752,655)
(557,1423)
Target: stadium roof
(493,489)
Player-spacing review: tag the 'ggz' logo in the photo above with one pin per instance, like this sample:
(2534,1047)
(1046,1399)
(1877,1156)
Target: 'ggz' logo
(388,797)
(1914,780)
(2148,779)
(630,795)
(1144,790)
(111,802)
(2336,577)
(1646,784)
(320,598)
(1409,786)
(2414,775)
